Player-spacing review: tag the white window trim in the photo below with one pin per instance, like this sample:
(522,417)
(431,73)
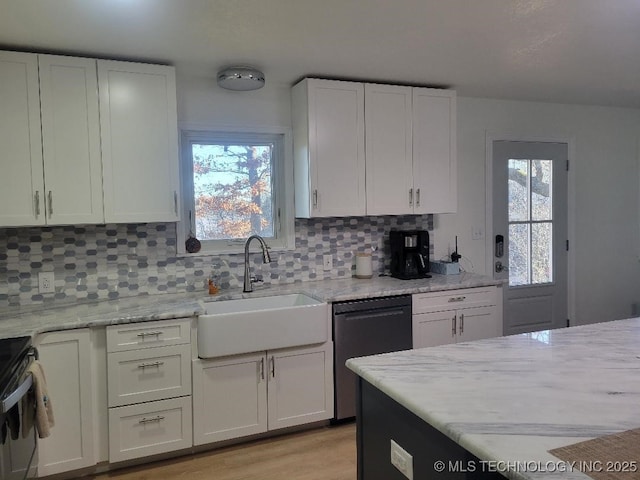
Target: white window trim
(283,191)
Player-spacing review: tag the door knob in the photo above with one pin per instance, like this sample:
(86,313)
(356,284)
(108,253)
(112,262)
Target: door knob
(500,267)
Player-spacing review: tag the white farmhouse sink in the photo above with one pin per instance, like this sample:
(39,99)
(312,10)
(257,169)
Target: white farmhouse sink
(248,325)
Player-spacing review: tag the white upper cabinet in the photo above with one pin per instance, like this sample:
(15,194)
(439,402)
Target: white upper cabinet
(434,151)
(50,143)
(411,150)
(70,140)
(388,149)
(139,141)
(54,118)
(329,152)
(21,182)
(406,165)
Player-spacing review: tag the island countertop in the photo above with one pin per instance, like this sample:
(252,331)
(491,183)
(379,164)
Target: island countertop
(511,399)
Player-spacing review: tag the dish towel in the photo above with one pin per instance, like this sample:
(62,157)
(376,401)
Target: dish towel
(37,408)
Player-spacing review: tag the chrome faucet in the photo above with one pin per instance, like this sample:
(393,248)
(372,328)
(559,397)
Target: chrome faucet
(248,279)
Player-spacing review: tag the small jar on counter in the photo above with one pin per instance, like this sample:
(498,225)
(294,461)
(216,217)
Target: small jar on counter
(364,267)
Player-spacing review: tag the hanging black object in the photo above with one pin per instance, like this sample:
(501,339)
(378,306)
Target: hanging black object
(192,244)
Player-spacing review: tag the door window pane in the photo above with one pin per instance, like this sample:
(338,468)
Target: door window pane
(519,254)
(541,188)
(518,190)
(541,253)
(530,222)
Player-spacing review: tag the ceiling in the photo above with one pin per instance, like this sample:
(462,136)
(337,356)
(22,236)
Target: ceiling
(569,51)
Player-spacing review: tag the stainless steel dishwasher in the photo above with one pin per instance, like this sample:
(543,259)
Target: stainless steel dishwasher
(365,327)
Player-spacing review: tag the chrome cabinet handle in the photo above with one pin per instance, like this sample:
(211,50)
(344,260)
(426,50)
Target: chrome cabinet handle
(315,199)
(50,201)
(261,368)
(461,323)
(175,202)
(411,196)
(457,299)
(151,420)
(149,365)
(149,334)
(418,197)
(453,326)
(37,201)
(273,367)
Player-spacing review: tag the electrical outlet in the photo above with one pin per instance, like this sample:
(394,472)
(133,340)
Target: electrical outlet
(327,262)
(402,460)
(46,282)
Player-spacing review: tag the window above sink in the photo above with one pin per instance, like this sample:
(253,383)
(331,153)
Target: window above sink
(236,183)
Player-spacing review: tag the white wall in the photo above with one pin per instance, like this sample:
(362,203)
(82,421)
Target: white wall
(606,243)
(202,103)
(605,240)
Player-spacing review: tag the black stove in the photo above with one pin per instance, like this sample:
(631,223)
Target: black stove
(13,363)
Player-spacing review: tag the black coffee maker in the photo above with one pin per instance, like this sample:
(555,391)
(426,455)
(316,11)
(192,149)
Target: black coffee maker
(409,253)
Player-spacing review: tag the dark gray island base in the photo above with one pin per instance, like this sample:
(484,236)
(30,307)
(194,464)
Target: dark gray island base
(381,419)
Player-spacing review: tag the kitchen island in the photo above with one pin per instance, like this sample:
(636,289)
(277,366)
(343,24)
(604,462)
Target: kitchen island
(495,407)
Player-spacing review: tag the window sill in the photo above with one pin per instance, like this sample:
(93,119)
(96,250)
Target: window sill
(234,250)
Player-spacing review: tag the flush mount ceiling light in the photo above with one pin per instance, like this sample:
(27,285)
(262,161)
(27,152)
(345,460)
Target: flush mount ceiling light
(241,78)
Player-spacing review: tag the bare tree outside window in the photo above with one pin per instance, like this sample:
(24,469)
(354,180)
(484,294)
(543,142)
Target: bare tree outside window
(232,190)
(530,222)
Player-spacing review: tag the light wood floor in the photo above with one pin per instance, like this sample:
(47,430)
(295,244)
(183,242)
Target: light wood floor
(327,453)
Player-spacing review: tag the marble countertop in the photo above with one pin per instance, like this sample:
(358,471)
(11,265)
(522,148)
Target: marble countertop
(511,399)
(31,320)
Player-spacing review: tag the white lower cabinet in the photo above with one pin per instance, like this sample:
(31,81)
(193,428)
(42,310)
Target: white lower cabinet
(149,428)
(149,374)
(249,394)
(66,358)
(452,316)
(149,388)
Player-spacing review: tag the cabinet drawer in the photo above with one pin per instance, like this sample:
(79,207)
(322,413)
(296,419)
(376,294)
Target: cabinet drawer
(150,428)
(454,299)
(149,374)
(133,336)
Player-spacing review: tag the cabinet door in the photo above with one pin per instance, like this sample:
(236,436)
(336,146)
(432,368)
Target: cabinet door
(21,182)
(139,141)
(71,140)
(229,398)
(478,323)
(299,389)
(434,150)
(329,148)
(66,359)
(433,329)
(388,149)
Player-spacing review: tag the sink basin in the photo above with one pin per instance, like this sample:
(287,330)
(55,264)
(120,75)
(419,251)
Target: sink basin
(230,327)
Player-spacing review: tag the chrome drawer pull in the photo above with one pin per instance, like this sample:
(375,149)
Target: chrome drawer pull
(149,334)
(149,365)
(159,418)
(457,299)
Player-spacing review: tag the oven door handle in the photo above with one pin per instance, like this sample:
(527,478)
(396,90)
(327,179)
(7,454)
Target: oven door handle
(15,396)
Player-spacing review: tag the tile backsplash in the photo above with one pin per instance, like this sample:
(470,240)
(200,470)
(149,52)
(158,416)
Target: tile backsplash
(111,261)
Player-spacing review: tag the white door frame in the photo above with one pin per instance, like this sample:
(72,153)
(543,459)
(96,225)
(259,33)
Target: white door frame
(491,137)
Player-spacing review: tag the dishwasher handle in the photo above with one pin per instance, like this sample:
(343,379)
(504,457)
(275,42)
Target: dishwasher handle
(375,313)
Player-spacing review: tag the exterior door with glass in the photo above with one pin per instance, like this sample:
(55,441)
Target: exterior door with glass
(530,233)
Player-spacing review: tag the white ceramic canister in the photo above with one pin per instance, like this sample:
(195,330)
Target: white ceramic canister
(364,267)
